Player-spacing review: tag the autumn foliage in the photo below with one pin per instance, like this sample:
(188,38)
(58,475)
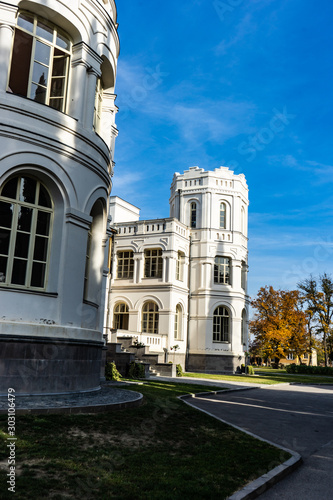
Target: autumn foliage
(280,326)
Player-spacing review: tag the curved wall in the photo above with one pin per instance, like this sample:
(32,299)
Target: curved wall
(57,133)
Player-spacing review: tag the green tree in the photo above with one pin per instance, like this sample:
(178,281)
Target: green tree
(318,295)
(279,326)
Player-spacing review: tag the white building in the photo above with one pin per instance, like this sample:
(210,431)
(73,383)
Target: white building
(57,75)
(181,281)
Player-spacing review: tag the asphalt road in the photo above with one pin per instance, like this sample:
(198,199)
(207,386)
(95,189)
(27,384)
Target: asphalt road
(299,418)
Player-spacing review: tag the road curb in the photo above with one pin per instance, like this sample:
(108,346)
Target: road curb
(267,480)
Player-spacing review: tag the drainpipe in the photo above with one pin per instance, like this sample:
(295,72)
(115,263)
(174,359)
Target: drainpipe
(188,305)
(111,248)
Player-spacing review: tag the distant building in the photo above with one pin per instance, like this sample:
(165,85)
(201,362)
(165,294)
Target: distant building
(57,75)
(182,281)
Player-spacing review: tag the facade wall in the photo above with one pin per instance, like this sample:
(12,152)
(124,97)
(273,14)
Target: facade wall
(68,149)
(169,236)
(208,224)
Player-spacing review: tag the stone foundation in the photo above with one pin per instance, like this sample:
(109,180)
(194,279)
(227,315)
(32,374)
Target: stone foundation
(37,365)
(210,363)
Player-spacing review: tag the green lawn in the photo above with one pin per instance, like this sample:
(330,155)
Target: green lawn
(266,377)
(162,450)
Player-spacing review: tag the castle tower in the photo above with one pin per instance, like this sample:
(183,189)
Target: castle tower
(57,132)
(215,206)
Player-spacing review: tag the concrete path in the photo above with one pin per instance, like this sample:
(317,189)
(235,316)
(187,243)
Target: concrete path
(299,418)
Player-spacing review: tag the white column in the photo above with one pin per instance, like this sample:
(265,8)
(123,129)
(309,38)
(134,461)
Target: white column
(109,109)
(78,90)
(92,76)
(6,41)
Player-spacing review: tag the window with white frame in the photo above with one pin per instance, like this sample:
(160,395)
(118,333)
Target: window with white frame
(125,265)
(26,214)
(221,325)
(193,215)
(243,275)
(244,329)
(178,322)
(243,228)
(121,316)
(153,263)
(223,216)
(149,318)
(180,266)
(222,271)
(40,61)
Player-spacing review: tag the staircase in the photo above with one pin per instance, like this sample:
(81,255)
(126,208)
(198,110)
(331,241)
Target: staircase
(123,352)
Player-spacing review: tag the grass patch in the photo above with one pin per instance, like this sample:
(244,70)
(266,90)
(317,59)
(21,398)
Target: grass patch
(268,378)
(161,450)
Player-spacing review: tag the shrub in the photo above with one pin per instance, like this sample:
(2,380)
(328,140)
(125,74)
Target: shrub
(179,371)
(111,372)
(309,370)
(242,368)
(250,370)
(138,344)
(136,370)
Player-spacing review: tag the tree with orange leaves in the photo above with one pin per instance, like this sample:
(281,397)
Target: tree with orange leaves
(279,326)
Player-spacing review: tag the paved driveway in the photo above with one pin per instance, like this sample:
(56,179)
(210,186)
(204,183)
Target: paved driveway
(296,417)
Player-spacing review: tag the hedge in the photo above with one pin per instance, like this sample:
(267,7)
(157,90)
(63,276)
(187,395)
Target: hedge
(309,370)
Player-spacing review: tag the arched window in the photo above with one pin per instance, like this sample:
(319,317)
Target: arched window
(178,322)
(221,325)
(26,214)
(150,317)
(40,61)
(121,317)
(223,216)
(244,329)
(193,215)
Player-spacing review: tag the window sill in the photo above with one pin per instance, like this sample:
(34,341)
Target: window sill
(32,291)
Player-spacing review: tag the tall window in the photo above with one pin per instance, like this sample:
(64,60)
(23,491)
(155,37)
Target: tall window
(221,325)
(243,275)
(223,216)
(178,322)
(244,330)
(193,215)
(26,214)
(150,317)
(153,263)
(125,265)
(222,270)
(243,228)
(40,61)
(121,316)
(180,266)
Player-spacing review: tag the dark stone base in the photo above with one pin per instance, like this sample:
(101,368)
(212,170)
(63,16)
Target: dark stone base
(35,365)
(210,363)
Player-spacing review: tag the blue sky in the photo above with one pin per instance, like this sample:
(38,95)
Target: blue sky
(240,83)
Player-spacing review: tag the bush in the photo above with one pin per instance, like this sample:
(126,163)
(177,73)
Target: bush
(111,372)
(309,370)
(242,368)
(250,370)
(136,370)
(179,371)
